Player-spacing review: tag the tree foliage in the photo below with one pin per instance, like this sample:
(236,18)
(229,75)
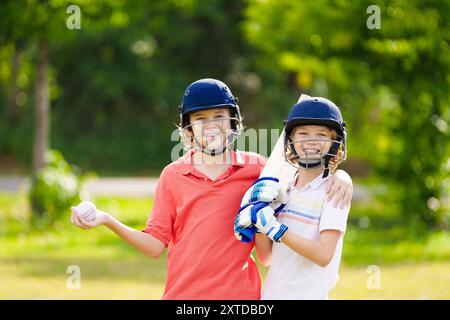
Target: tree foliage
(116,83)
(392,83)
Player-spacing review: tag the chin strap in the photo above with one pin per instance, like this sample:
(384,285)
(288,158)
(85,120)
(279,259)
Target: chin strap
(333,151)
(213,152)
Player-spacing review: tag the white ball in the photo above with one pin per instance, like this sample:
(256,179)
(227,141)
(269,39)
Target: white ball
(86,209)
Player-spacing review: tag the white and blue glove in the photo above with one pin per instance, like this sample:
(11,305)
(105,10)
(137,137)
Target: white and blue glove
(265,189)
(259,217)
(263,192)
(244,230)
(265,221)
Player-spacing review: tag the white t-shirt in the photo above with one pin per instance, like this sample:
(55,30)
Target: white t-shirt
(307,213)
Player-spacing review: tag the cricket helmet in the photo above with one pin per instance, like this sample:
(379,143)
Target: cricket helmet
(205,94)
(317,111)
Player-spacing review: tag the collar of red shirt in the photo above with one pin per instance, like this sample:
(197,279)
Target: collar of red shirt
(185,162)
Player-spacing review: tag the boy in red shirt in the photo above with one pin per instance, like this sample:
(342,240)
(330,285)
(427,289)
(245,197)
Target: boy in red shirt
(196,200)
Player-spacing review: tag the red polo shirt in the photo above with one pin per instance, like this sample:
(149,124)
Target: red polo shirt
(194,216)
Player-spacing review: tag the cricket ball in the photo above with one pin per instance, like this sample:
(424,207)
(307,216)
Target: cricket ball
(86,209)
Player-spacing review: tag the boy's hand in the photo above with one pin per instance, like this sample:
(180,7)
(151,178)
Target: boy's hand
(265,221)
(100,218)
(340,187)
(268,190)
(244,217)
(264,189)
(244,231)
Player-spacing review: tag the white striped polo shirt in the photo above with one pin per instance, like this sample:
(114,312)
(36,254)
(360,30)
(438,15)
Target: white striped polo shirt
(307,213)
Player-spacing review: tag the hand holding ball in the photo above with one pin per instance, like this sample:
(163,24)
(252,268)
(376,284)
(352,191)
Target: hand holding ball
(87,210)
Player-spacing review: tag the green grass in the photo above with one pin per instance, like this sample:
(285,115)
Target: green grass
(33,265)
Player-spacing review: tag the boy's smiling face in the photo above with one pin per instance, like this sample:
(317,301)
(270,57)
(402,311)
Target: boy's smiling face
(311,141)
(210,127)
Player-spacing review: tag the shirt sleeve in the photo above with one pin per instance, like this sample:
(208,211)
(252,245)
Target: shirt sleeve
(333,218)
(161,219)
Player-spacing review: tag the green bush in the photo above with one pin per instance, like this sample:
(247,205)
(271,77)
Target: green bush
(54,189)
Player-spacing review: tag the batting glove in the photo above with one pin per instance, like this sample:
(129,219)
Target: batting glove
(244,230)
(265,221)
(265,189)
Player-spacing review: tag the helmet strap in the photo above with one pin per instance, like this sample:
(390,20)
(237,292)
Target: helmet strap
(333,152)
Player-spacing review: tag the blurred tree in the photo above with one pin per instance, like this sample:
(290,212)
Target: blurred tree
(325,48)
(116,83)
(121,83)
(42,24)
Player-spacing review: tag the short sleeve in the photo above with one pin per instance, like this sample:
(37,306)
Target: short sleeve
(333,218)
(161,219)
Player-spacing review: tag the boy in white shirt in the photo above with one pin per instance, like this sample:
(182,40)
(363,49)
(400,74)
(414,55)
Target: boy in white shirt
(308,233)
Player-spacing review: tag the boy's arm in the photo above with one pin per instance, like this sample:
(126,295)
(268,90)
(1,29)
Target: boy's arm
(318,251)
(340,187)
(333,222)
(263,246)
(145,243)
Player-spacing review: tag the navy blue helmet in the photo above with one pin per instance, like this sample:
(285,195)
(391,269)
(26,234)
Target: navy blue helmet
(209,94)
(317,111)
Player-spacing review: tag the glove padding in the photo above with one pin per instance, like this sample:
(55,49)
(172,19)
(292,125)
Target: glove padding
(265,221)
(259,217)
(266,189)
(243,227)
(263,192)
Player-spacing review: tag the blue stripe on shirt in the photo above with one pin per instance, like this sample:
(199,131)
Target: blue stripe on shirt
(301,214)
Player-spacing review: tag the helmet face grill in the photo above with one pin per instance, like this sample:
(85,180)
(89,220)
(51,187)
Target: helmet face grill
(302,156)
(210,136)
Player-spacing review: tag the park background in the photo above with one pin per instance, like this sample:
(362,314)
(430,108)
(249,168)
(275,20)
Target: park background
(89,99)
